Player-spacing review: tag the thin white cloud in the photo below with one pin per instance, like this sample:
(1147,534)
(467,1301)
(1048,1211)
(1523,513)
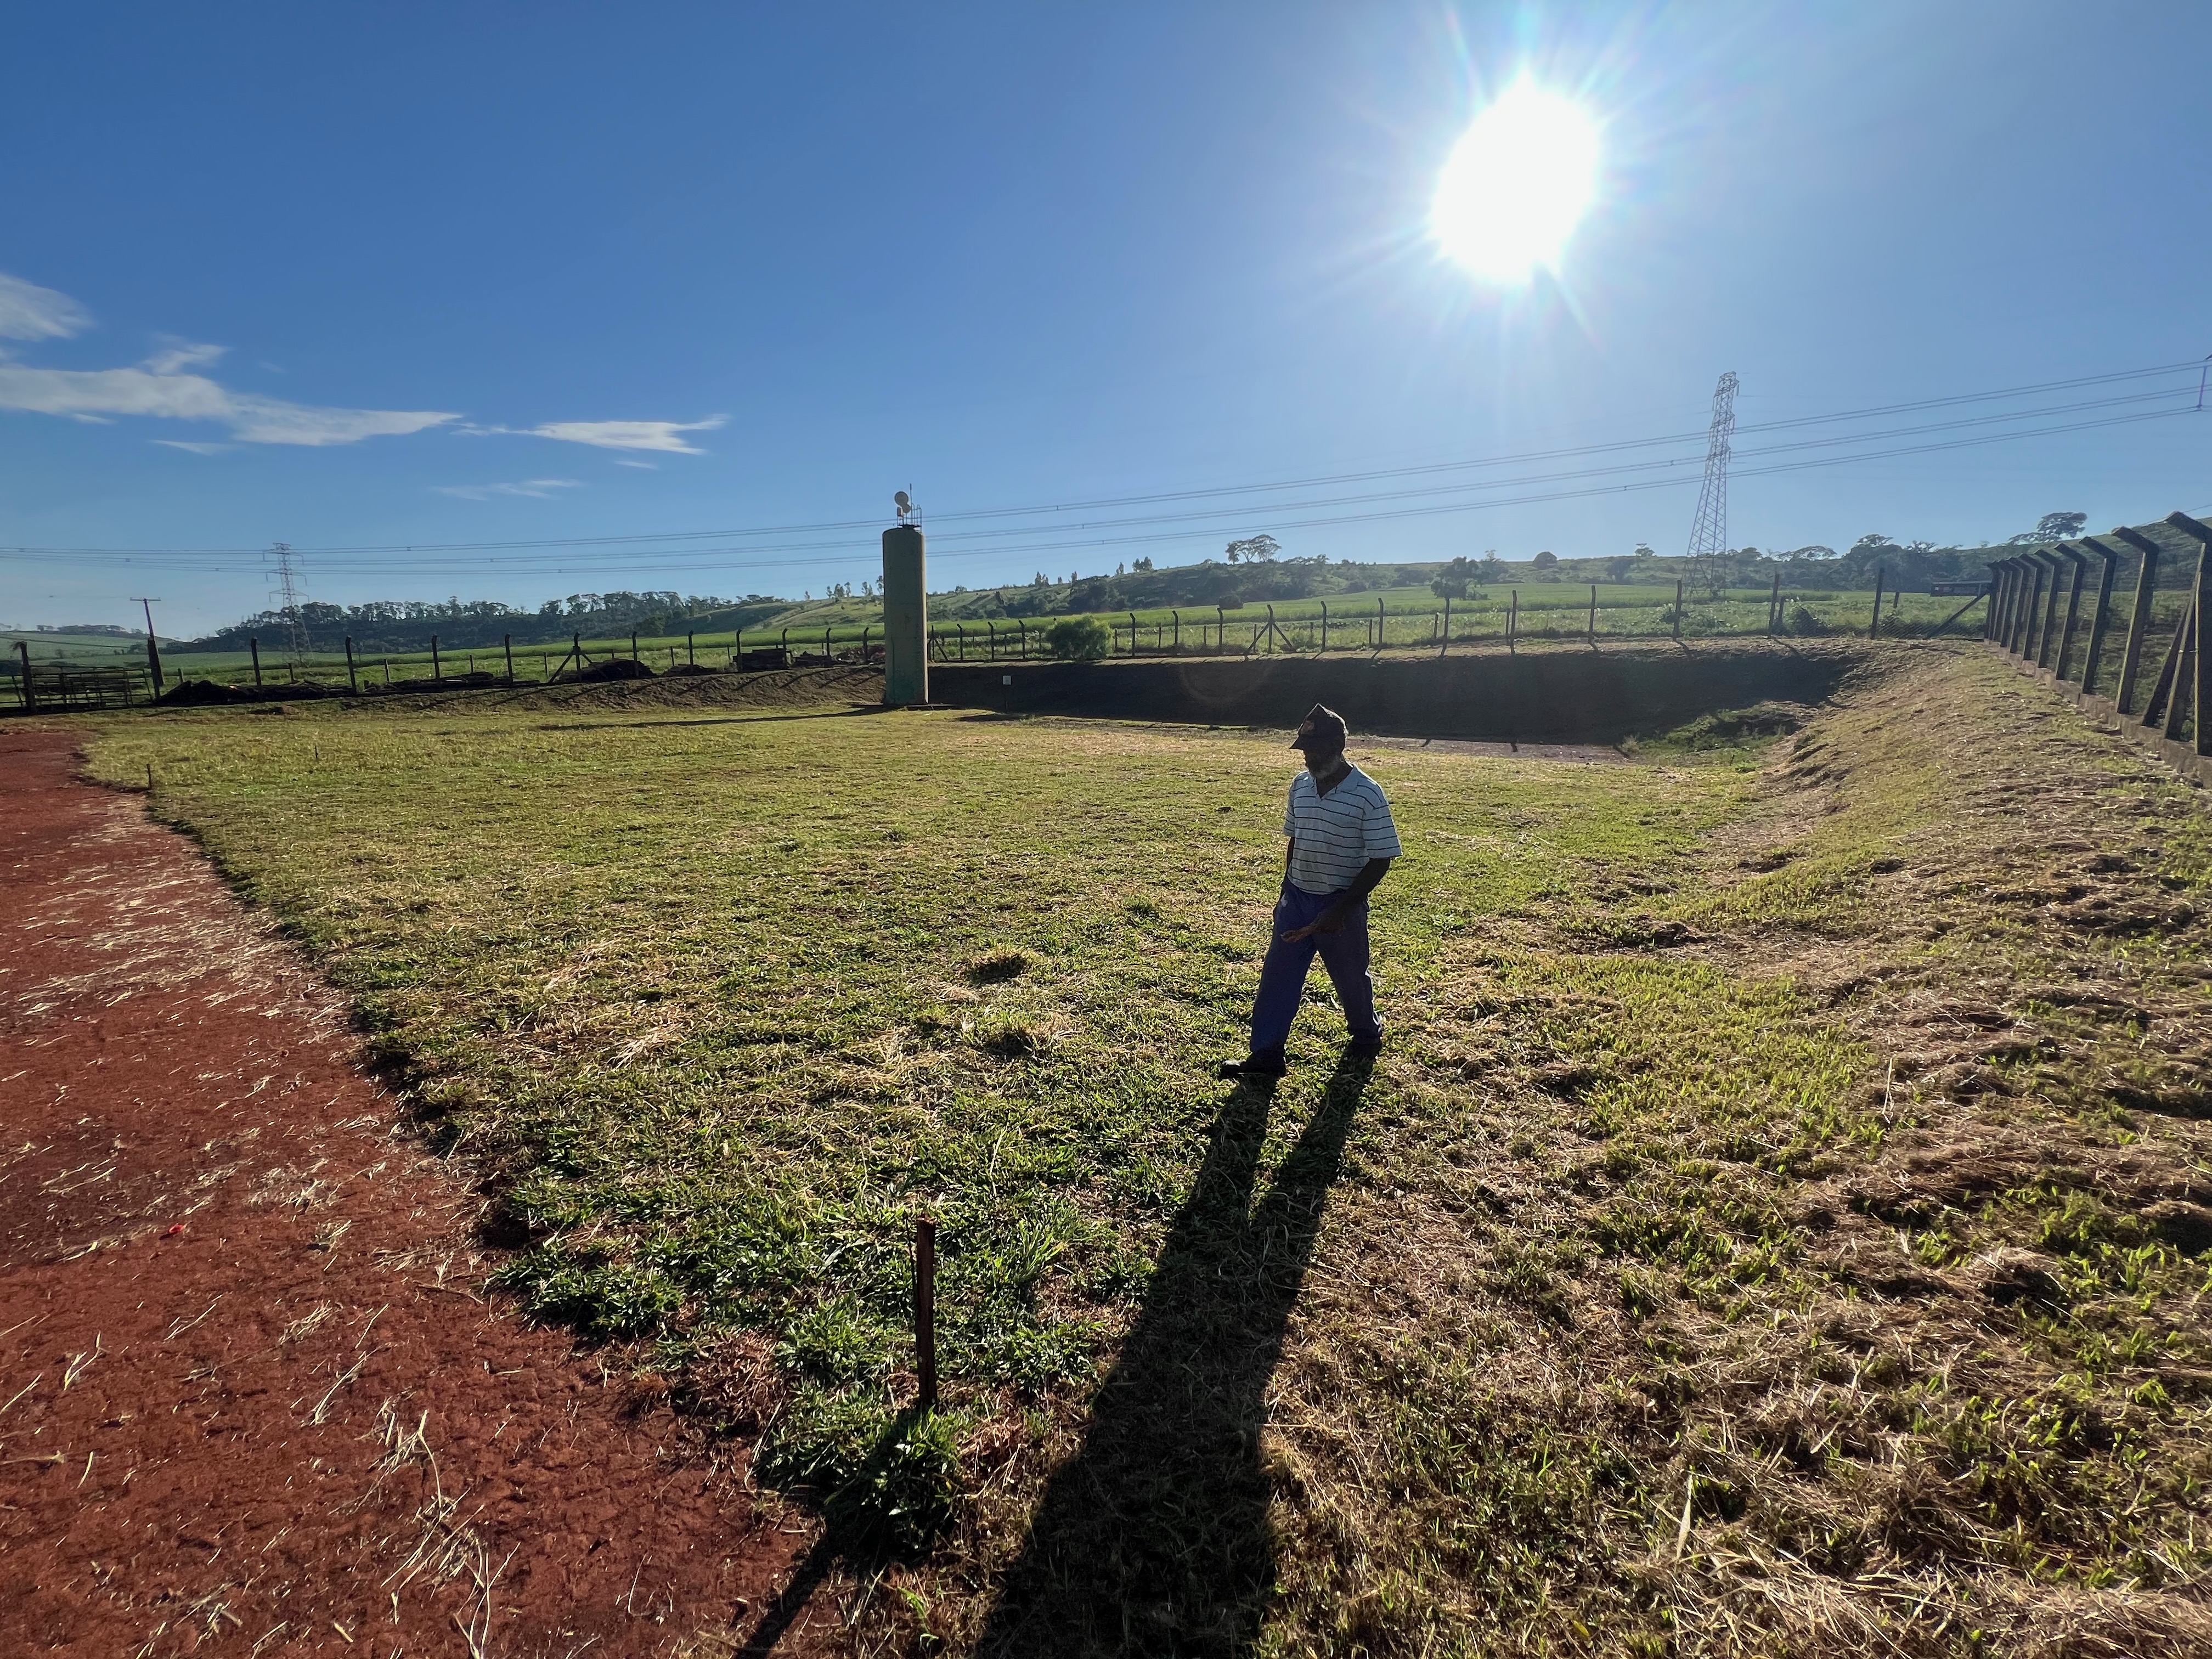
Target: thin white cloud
(180,355)
(642,466)
(542,488)
(28,312)
(195,449)
(662,436)
(158,390)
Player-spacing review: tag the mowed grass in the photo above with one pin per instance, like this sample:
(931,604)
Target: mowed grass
(1604,1314)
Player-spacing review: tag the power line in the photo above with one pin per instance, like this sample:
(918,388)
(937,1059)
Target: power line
(729,559)
(1318,480)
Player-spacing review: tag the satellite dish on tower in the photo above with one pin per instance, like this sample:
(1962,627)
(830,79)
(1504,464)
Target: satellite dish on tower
(904,502)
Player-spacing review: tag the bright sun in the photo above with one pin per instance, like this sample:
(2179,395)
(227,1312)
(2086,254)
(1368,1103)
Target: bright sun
(1516,185)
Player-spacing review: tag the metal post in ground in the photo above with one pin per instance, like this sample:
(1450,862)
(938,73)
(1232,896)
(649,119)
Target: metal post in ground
(253,645)
(437,663)
(1513,620)
(2000,580)
(1678,611)
(1444,634)
(1873,628)
(30,697)
(1774,607)
(2139,621)
(1592,635)
(353,680)
(1324,628)
(925,1312)
(1177,646)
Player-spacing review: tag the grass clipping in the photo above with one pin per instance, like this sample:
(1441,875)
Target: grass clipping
(1776,1225)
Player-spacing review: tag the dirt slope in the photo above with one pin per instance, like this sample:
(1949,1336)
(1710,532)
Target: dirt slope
(250,1398)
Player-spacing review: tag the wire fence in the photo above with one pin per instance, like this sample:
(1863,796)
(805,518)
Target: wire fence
(2119,620)
(1593,613)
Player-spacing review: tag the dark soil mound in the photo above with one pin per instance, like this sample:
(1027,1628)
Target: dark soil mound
(615,668)
(187,693)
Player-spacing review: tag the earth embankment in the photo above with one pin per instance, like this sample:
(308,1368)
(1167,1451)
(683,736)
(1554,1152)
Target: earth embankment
(1548,695)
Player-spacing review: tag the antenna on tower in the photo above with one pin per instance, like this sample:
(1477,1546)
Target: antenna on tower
(1709,532)
(907,512)
(288,601)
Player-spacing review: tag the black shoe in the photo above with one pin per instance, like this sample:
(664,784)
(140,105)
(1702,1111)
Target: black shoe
(1367,1049)
(1252,1070)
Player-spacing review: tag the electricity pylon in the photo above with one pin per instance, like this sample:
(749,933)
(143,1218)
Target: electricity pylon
(1709,533)
(287,602)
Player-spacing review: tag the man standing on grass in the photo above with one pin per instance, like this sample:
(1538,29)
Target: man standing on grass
(1342,842)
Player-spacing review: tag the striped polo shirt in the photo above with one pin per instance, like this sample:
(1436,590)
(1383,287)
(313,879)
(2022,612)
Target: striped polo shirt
(1333,835)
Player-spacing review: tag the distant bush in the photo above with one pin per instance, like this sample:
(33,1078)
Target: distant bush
(1079,639)
(1802,620)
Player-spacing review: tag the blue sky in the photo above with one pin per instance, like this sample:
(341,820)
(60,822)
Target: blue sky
(393,277)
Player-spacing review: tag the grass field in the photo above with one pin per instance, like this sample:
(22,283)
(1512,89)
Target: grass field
(1774,1226)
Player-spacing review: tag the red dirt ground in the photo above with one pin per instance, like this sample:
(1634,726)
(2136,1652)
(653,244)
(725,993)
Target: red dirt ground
(252,1399)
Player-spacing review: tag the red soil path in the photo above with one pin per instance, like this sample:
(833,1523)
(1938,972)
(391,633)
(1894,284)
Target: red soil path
(253,1399)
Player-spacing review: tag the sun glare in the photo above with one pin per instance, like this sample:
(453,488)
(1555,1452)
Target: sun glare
(1516,185)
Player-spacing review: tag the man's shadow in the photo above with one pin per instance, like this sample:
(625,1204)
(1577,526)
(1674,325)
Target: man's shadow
(1154,1538)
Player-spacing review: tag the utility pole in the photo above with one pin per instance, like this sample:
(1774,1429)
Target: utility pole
(1709,531)
(153,648)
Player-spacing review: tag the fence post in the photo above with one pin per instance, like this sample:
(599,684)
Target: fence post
(2050,610)
(2096,651)
(690,649)
(1177,646)
(1592,635)
(1381,625)
(2200,626)
(784,644)
(1444,634)
(2073,609)
(1221,629)
(254,646)
(2139,621)
(353,683)
(2000,585)
(2031,600)
(1678,611)
(507,644)
(1774,607)
(1873,628)
(2032,640)
(1512,620)
(30,697)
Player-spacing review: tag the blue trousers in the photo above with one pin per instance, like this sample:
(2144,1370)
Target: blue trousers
(1283,976)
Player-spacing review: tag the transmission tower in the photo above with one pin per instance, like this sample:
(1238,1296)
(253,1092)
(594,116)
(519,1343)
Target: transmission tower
(288,601)
(1709,534)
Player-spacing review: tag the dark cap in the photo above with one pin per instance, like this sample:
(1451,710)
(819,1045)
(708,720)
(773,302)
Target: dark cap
(1323,729)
